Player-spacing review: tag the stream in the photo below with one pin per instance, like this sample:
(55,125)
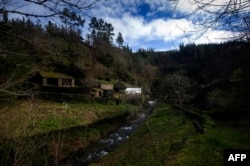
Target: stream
(108,144)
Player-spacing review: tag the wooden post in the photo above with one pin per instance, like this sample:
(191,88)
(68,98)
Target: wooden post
(59,82)
(72,82)
(44,81)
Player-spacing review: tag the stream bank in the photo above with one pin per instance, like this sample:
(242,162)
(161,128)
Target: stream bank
(51,147)
(109,143)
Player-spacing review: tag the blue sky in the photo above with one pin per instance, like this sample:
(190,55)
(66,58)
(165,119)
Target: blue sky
(160,25)
(157,24)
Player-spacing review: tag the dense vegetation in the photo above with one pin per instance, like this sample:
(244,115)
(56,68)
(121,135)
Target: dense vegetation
(199,81)
(211,77)
(27,47)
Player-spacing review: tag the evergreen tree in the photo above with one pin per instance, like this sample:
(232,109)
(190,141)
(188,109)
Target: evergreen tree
(4,14)
(101,31)
(119,40)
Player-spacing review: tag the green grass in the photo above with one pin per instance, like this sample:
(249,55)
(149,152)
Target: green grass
(44,132)
(164,140)
(27,118)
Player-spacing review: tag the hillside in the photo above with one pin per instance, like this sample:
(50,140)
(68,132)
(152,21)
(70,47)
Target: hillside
(210,77)
(203,93)
(214,77)
(27,47)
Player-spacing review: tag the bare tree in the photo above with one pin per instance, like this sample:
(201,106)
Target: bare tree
(177,85)
(47,8)
(228,15)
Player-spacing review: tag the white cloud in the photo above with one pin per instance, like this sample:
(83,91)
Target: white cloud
(214,36)
(139,31)
(136,30)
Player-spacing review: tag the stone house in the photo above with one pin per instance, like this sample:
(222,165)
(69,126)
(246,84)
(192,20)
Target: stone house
(52,79)
(105,89)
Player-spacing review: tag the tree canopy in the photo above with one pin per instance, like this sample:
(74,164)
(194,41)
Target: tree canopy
(101,31)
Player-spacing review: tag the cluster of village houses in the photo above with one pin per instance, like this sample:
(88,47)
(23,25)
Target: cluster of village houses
(104,88)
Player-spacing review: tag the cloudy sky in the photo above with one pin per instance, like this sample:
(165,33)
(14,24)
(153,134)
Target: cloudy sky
(160,24)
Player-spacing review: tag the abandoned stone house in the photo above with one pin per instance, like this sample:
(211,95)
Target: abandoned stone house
(52,79)
(60,82)
(105,89)
(96,92)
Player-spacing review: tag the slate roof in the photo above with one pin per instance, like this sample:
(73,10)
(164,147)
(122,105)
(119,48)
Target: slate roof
(97,89)
(55,75)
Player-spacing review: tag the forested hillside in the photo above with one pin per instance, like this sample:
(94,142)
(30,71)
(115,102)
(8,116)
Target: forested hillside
(211,77)
(27,47)
(35,130)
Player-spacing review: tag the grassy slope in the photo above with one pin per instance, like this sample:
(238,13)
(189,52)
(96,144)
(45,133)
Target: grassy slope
(32,117)
(165,140)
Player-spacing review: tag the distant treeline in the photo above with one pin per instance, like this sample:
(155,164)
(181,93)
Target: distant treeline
(213,77)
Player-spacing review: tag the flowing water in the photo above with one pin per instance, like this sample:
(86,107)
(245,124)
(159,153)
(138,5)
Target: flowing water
(108,144)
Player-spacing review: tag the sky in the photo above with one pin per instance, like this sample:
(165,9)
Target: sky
(161,25)
(150,24)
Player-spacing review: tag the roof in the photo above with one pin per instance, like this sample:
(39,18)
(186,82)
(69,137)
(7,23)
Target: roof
(132,89)
(130,85)
(55,75)
(106,82)
(126,85)
(97,89)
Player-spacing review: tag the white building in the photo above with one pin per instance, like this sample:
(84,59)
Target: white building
(133,91)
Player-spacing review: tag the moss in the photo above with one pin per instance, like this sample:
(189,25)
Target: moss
(55,75)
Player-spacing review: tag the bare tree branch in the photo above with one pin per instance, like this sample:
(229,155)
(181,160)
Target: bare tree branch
(50,8)
(14,93)
(229,15)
